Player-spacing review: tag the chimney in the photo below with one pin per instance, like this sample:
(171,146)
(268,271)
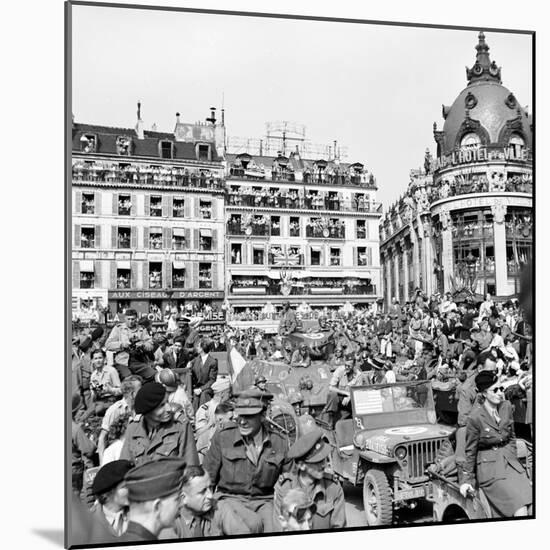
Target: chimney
(212,118)
(177,118)
(139,124)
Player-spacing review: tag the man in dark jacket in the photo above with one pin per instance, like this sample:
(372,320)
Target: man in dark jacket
(204,371)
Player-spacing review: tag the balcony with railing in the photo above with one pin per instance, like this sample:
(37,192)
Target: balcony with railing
(255,230)
(326,232)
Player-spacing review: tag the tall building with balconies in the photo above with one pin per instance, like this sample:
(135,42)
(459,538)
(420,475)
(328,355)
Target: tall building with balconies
(466,220)
(147,217)
(300,230)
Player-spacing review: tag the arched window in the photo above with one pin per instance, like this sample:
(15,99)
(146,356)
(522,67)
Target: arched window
(518,143)
(470,141)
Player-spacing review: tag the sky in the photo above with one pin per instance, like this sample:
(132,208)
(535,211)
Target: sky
(376,89)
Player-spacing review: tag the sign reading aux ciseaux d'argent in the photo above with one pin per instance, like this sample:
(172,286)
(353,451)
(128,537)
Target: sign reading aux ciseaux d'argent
(481,154)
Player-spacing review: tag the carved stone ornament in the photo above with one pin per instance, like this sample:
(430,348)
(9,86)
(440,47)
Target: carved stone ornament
(470,101)
(511,102)
(499,212)
(445,219)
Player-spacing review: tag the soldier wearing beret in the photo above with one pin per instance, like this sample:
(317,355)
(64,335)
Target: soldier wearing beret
(245,460)
(130,343)
(154,495)
(308,473)
(111,506)
(155,431)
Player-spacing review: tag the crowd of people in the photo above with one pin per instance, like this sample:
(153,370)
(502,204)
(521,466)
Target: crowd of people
(177,455)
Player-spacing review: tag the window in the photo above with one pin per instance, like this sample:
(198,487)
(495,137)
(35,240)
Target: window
(178,278)
(361,229)
(517,142)
(88,203)
(315,256)
(123,145)
(334,256)
(87,279)
(166,149)
(178,242)
(205,240)
(276,226)
(470,141)
(155,208)
(124,205)
(205,209)
(88,143)
(236,253)
(203,152)
(87,237)
(258,256)
(178,207)
(205,275)
(362,256)
(155,275)
(155,239)
(122,306)
(294,227)
(123,237)
(123,278)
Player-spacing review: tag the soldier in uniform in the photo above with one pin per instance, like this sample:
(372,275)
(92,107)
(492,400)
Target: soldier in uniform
(154,496)
(308,472)
(111,506)
(155,431)
(244,461)
(130,344)
(287,324)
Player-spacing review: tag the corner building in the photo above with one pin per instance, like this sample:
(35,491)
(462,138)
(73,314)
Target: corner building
(466,220)
(147,217)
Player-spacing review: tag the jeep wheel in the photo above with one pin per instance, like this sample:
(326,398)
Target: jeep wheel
(377,499)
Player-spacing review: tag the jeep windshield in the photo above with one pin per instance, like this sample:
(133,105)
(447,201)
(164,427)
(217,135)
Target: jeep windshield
(389,405)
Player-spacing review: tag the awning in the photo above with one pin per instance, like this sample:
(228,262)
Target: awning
(317,248)
(155,230)
(178,264)
(156,257)
(178,231)
(206,232)
(87,266)
(318,274)
(247,274)
(123,264)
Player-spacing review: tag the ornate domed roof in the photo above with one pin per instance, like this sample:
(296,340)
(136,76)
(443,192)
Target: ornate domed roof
(485,107)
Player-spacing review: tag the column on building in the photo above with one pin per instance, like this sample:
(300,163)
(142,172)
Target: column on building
(395,256)
(499,232)
(427,253)
(404,251)
(446,249)
(388,273)
(414,244)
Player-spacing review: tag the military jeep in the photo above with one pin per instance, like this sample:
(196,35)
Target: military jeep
(387,444)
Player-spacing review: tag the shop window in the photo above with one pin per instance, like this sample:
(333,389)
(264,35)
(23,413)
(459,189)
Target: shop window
(122,306)
(178,278)
(205,275)
(155,208)
(315,256)
(88,203)
(258,256)
(294,227)
(123,237)
(166,148)
(178,208)
(87,237)
(205,209)
(155,307)
(335,256)
(124,205)
(155,240)
(87,279)
(361,229)
(236,253)
(155,275)
(123,278)
(178,242)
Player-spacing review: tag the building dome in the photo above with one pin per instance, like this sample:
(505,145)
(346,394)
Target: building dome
(485,113)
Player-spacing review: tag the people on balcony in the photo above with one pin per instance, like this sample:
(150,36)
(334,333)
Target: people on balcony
(155,279)
(155,241)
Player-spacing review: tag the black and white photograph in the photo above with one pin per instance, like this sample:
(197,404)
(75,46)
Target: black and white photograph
(300,274)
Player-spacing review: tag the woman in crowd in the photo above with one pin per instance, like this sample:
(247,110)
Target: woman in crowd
(491,454)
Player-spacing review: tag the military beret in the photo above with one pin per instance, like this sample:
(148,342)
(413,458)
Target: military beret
(485,379)
(110,475)
(149,397)
(310,447)
(155,479)
(251,401)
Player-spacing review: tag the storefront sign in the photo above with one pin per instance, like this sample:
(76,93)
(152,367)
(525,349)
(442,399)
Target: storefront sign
(482,201)
(482,154)
(165,294)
